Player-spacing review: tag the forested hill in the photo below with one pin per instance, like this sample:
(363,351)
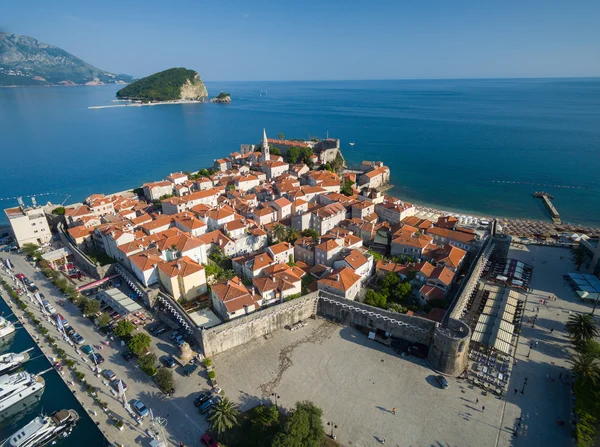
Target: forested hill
(169,85)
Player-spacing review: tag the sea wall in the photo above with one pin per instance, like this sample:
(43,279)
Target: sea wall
(258,324)
(352,313)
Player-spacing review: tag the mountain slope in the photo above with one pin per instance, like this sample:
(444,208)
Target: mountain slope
(169,85)
(26,61)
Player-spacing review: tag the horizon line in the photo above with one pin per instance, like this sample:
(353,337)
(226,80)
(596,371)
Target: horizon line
(407,79)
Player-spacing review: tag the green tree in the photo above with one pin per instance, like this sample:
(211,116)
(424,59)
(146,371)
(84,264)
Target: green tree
(224,416)
(59,211)
(274,150)
(310,232)
(147,363)
(123,328)
(30,249)
(292,235)
(590,347)
(304,428)
(104,319)
(164,379)
(281,136)
(373,298)
(279,232)
(139,343)
(293,154)
(263,416)
(203,172)
(585,367)
(347,188)
(91,307)
(578,256)
(582,327)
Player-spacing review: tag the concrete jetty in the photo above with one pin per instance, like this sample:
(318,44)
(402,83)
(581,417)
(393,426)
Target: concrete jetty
(552,209)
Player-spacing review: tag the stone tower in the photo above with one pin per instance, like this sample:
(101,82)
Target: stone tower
(266,155)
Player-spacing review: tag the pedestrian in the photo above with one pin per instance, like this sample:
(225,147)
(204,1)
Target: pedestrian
(383,441)
(477,400)
(551,330)
(483,409)
(560,376)
(516,390)
(394,410)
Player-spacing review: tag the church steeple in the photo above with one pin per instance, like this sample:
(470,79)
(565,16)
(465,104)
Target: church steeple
(265,147)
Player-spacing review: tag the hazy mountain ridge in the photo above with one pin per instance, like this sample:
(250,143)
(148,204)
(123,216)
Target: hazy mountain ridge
(25,61)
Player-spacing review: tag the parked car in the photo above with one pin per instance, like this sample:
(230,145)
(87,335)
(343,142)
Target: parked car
(209,404)
(443,382)
(87,349)
(174,335)
(77,338)
(109,374)
(70,331)
(115,385)
(140,408)
(208,440)
(127,355)
(168,361)
(20,276)
(202,397)
(160,330)
(32,288)
(96,358)
(190,369)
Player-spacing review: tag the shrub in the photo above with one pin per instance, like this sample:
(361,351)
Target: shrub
(124,328)
(207,362)
(147,363)
(164,379)
(211,375)
(70,363)
(139,343)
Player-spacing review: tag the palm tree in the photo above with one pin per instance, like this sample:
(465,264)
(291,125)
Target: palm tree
(292,235)
(224,416)
(582,327)
(585,367)
(280,232)
(578,256)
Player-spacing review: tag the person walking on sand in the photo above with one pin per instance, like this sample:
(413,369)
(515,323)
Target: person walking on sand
(483,409)
(394,410)
(477,400)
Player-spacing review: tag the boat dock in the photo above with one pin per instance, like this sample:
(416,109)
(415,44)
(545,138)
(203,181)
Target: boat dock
(546,198)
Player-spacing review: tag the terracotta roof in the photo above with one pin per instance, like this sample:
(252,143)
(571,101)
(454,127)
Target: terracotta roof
(80,231)
(452,235)
(261,261)
(146,260)
(281,202)
(280,248)
(288,143)
(234,295)
(423,267)
(451,256)
(161,184)
(183,267)
(328,245)
(177,175)
(215,237)
(432,293)
(341,279)
(442,274)
(355,259)
(193,196)
(388,266)
(412,239)
(281,281)
(377,171)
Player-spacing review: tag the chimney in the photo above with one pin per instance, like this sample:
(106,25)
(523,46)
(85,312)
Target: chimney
(337,278)
(178,266)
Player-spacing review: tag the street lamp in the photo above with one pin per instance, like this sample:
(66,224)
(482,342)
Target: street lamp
(523,389)
(332,425)
(275,396)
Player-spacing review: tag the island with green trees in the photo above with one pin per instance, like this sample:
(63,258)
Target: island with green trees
(172,85)
(223,98)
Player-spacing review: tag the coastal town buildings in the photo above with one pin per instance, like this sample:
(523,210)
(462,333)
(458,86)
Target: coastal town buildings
(29,224)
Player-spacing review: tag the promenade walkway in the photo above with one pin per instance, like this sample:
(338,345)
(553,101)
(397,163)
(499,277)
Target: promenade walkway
(543,401)
(182,426)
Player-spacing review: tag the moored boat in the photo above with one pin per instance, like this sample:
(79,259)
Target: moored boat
(11,361)
(44,429)
(6,327)
(16,387)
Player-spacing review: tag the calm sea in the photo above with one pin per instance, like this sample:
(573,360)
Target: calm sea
(56,394)
(448,142)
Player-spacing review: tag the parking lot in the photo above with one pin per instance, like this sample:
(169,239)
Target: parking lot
(357,382)
(184,423)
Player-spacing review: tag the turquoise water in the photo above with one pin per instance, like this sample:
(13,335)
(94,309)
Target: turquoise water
(56,394)
(445,141)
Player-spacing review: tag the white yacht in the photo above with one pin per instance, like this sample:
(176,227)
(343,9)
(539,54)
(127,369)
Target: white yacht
(44,429)
(6,327)
(10,361)
(16,387)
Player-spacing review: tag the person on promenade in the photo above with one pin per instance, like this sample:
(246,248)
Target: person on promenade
(394,410)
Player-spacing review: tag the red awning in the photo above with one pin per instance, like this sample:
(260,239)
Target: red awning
(96,283)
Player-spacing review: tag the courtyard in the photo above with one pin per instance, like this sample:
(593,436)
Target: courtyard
(357,382)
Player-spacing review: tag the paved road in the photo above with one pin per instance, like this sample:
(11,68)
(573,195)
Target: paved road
(184,424)
(543,401)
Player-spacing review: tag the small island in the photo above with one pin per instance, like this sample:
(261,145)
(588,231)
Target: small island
(173,85)
(222,97)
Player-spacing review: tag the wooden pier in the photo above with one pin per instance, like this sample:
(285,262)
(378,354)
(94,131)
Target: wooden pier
(551,208)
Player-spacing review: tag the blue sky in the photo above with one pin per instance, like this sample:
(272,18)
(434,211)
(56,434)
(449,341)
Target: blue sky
(306,40)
